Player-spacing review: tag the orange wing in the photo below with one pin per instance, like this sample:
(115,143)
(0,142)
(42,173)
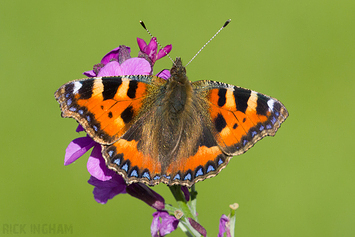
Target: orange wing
(240,117)
(112,111)
(106,107)
(235,119)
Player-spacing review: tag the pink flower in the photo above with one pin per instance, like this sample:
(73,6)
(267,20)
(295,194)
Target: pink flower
(163,224)
(96,163)
(132,66)
(147,195)
(223,226)
(120,54)
(105,190)
(149,51)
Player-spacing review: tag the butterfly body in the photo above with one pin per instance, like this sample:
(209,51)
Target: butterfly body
(174,131)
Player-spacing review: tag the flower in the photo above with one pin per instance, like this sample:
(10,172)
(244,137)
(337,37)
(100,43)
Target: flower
(197,227)
(224,226)
(186,192)
(96,163)
(105,190)
(118,62)
(147,195)
(163,224)
(120,54)
(132,66)
(149,51)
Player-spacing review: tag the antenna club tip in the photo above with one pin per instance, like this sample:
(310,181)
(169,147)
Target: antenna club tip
(142,24)
(227,22)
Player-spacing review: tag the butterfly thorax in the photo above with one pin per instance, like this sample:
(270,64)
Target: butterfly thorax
(178,91)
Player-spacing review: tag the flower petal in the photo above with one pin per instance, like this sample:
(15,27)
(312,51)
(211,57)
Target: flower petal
(105,190)
(146,194)
(197,226)
(167,225)
(155,226)
(90,73)
(141,44)
(77,148)
(223,226)
(136,66)
(110,69)
(96,165)
(165,74)
(163,53)
(79,128)
(151,49)
(186,192)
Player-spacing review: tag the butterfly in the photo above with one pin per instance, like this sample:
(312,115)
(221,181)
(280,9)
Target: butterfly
(174,131)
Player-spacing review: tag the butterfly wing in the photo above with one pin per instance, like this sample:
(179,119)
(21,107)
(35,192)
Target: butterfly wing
(234,120)
(240,117)
(231,120)
(106,107)
(112,110)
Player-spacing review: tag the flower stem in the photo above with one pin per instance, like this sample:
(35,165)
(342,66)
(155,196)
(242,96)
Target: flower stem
(181,201)
(186,210)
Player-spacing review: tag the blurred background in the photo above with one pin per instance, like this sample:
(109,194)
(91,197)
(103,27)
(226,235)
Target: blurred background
(298,183)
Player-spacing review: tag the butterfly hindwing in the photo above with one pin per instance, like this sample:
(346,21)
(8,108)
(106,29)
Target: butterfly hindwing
(126,157)
(207,161)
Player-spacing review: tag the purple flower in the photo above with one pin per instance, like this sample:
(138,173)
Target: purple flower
(147,195)
(105,190)
(198,227)
(163,224)
(149,51)
(96,163)
(120,54)
(224,226)
(186,192)
(165,74)
(132,66)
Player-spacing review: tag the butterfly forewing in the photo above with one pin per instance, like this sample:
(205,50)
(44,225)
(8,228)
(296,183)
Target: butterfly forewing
(240,117)
(106,106)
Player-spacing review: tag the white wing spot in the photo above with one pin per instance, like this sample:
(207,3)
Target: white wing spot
(77,86)
(270,103)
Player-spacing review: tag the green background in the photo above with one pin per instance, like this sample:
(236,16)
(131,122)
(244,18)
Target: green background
(299,183)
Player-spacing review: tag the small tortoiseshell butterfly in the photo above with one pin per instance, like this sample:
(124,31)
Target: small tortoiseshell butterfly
(173,131)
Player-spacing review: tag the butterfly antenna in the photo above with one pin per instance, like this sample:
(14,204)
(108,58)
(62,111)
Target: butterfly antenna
(225,24)
(143,25)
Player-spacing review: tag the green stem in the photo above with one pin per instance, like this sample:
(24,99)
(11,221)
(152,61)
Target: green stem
(184,223)
(181,201)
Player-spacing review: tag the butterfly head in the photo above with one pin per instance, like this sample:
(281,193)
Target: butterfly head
(178,71)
